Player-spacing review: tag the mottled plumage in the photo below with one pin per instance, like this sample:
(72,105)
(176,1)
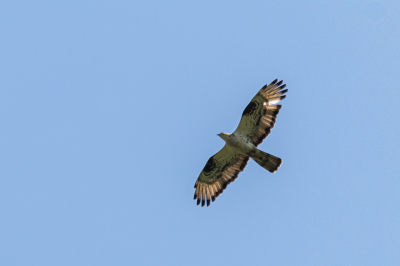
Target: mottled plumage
(255,125)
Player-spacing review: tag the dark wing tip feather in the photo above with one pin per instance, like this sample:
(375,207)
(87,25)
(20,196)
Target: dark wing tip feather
(273,82)
(264,136)
(283,97)
(282,87)
(195,196)
(198,201)
(208,202)
(284,91)
(279,83)
(203,202)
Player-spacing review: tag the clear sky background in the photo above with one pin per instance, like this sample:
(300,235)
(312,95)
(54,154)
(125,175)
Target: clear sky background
(109,110)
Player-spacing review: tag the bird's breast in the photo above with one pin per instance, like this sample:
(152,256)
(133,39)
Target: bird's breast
(241,144)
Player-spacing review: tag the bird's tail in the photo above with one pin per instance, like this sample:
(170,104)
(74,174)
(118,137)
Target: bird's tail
(267,161)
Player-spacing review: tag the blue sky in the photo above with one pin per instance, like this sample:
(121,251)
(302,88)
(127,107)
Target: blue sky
(109,111)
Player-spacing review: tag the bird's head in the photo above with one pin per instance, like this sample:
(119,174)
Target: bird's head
(224,136)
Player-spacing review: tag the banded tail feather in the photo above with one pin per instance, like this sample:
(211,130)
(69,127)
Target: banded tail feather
(267,161)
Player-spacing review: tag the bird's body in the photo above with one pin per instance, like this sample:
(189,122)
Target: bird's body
(257,120)
(239,143)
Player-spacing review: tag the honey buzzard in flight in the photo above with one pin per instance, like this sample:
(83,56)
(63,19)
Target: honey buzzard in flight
(224,167)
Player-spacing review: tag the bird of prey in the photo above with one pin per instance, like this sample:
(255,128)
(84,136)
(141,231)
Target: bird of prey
(255,125)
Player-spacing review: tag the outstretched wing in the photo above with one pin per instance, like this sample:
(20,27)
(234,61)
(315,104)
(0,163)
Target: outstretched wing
(259,116)
(220,170)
